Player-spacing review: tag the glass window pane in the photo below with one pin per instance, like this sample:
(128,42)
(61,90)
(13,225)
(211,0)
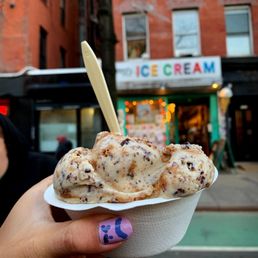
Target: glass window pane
(135,26)
(146,118)
(135,48)
(185,22)
(238,45)
(90,126)
(238,31)
(54,123)
(237,23)
(186,42)
(186,32)
(135,32)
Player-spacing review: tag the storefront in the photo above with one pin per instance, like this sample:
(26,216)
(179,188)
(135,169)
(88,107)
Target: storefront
(242,75)
(46,104)
(64,104)
(170,100)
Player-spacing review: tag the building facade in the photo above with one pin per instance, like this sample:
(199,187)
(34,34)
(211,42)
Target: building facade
(41,34)
(42,87)
(176,57)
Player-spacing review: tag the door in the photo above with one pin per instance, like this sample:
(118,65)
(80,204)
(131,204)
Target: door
(244,127)
(193,125)
(245,149)
(190,124)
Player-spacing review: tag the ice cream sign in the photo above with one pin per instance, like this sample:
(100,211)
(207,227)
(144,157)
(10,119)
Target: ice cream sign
(173,72)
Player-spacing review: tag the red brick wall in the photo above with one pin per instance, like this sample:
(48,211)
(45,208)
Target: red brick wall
(117,18)
(19,34)
(12,30)
(160,27)
(212,25)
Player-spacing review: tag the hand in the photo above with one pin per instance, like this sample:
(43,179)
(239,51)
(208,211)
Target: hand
(31,230)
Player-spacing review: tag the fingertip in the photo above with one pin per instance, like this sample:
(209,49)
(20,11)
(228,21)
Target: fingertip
(114,230)
(96,234)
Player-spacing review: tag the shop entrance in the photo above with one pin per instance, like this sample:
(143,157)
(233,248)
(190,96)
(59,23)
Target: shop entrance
(190,122)
(244,126)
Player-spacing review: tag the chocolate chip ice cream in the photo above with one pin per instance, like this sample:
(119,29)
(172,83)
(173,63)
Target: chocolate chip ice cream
(123,169)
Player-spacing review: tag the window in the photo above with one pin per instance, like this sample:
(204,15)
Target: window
(45,1)
(186,33)
(62,12)
(238,31)
(54,123)
(42,48)
(62,57)
(135,34)
(80,126)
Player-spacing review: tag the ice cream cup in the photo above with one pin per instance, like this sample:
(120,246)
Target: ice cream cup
(158,223)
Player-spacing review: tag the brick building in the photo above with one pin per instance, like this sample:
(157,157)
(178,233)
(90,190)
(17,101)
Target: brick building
(209,15)
(174,59)
(56,99)
(41,34)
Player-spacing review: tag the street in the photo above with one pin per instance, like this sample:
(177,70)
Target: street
(217,235)
(210,254)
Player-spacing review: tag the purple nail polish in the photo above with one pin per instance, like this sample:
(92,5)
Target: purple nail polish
(114,230)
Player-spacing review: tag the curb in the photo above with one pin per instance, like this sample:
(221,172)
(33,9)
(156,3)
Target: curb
(225,209)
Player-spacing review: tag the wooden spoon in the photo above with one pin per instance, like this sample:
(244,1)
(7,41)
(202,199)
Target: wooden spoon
(99,85)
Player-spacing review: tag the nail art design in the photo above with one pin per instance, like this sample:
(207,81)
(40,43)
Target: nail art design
(114,230)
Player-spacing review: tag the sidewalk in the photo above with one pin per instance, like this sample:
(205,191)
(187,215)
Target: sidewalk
(235,190)
(226,221)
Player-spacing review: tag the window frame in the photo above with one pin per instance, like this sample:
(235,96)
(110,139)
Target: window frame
(237,8)
(62,12)
(125,45)
(63,54)
(45,2)
(180,53)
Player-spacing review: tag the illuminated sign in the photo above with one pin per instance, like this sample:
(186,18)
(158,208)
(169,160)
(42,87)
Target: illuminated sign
(4,107)
(201,71)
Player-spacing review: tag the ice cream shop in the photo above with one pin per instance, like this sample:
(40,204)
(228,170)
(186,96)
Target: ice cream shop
(170,100)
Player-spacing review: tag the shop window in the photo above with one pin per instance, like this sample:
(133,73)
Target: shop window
(55,123)
(186,33)
(42,48)
(147,119)
(91,124)
(238,31)
(62,12)
(135,36)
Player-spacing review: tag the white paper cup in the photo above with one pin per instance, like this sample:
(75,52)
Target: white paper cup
(158,223)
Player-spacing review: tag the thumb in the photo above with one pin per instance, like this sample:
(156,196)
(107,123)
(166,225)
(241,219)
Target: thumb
(92,234)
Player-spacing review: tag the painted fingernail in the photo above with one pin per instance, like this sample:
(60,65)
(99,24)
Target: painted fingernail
(114,230)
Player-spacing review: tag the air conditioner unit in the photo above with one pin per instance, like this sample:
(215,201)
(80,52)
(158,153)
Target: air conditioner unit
(186,52)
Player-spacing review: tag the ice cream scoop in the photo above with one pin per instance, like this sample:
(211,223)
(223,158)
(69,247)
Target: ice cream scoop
(123,169)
